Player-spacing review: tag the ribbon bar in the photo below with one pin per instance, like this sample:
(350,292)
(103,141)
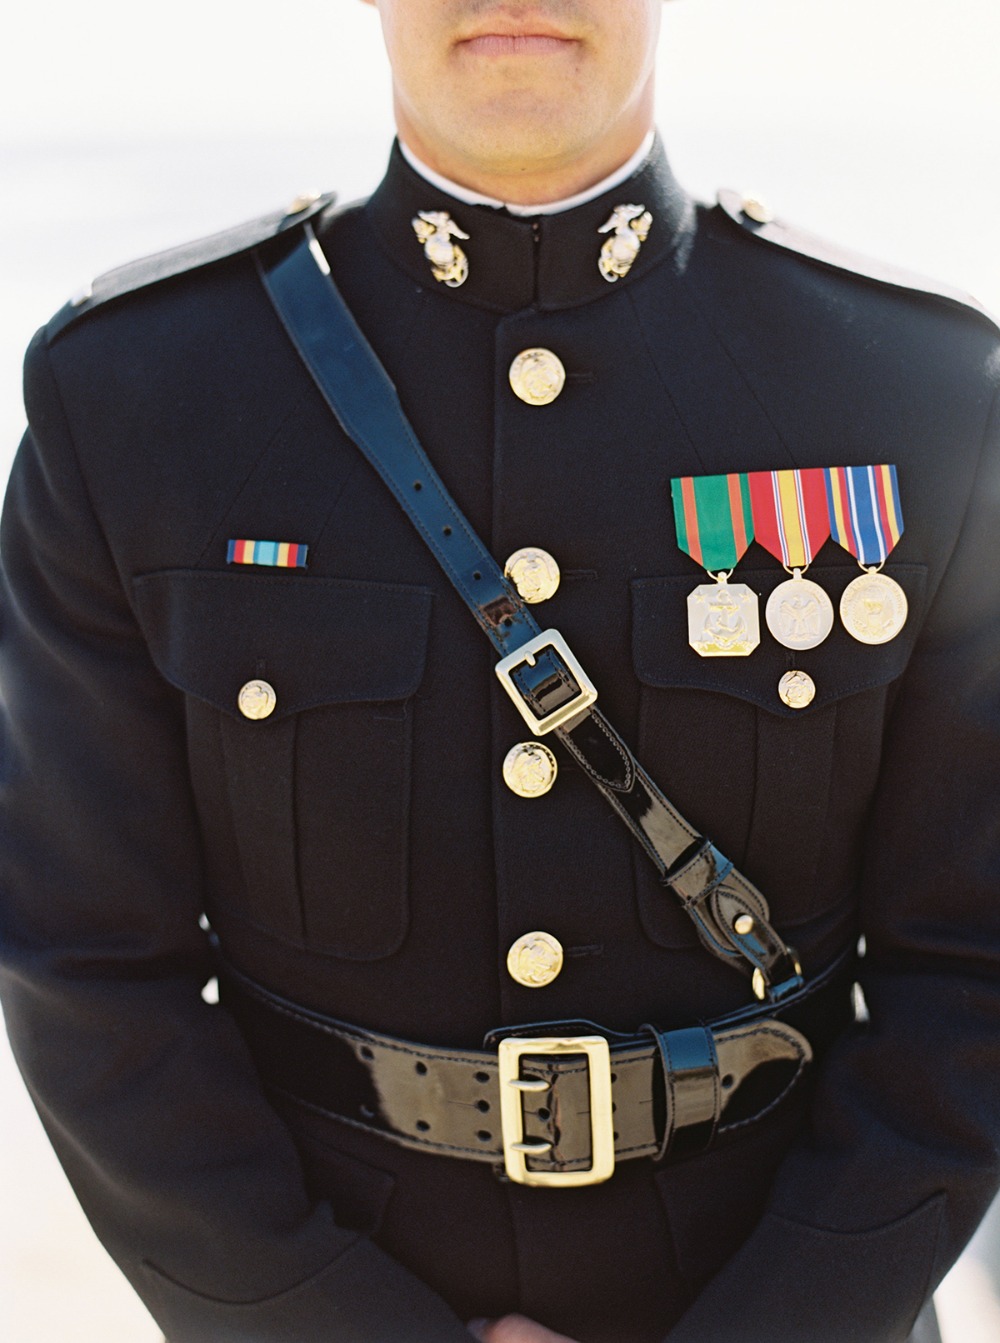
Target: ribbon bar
(276,554)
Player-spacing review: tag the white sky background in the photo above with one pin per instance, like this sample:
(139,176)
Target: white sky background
(127,127)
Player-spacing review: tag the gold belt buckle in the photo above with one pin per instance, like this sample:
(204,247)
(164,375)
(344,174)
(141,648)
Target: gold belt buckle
(585,697)
(517,1149)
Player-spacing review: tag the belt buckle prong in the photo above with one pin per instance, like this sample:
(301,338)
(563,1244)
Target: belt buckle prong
(513,1087)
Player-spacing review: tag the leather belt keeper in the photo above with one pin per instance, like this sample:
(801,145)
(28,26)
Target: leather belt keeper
(671,1092)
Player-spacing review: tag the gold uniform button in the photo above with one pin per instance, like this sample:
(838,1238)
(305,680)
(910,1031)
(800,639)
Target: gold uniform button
(757,209)
(537,376)
(797,689)
(535,960)
(529,769)
(257,700)
(534,573)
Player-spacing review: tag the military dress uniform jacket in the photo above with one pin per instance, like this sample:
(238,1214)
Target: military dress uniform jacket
(357,851)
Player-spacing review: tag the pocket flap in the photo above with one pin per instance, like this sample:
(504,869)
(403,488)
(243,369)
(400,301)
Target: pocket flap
(316,640)
(840,666)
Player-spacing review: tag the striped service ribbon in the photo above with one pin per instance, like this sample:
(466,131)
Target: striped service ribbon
(790,515)
(865,513)
(276,554)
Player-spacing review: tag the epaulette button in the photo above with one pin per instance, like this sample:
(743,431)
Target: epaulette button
(303,202)
(757,209)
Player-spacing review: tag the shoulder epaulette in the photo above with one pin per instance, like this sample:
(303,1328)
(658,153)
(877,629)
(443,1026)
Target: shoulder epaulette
(755,218)
(187,257)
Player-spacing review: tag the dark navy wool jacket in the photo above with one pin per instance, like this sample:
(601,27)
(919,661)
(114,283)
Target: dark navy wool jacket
(358,852)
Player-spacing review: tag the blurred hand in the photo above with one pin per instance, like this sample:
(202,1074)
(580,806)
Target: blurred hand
(514,1329)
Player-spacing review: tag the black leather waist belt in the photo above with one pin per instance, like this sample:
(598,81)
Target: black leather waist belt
(554,1103)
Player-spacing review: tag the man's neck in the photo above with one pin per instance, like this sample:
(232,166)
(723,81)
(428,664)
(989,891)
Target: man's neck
(472,197)
(522,186)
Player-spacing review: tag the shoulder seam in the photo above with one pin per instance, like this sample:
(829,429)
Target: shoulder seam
(817,249)
(187,257)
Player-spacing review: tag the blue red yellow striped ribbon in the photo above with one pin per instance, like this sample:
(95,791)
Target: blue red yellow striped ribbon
(277,554)
(865,513)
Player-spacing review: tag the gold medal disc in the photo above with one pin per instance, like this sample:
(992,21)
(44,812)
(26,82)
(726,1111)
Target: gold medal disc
(723,620)
(799,613)
(873,608)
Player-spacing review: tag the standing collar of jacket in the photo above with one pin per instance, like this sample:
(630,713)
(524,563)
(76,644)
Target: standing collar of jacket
(547,261)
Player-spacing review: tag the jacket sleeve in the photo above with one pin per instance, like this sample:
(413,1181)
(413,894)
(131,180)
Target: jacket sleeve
(900,1158)
(147,1092)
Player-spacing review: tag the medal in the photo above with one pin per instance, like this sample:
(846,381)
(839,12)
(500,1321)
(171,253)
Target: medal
(873,608)
(791,521)
(715,527)
(867,520)
(799,613)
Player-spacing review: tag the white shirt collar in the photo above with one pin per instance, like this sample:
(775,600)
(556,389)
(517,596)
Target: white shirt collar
(554,207)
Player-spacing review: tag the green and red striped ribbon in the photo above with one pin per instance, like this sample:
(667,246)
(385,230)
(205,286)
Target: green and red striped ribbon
(714,518)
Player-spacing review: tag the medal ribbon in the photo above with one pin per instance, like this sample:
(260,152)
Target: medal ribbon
(713,517)
(791,519)
(865,514)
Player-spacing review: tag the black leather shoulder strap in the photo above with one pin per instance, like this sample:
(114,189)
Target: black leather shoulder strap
(537,669)
(188,256)
(757,221)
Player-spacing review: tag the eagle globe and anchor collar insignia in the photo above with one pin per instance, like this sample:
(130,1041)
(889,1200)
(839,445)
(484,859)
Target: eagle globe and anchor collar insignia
(437,230)
(629,227)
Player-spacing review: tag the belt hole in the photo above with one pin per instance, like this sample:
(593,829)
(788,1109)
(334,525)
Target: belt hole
(420,1069)
(417,485)
(422,1126)
(446,531)
(543,1112)
(727,1081)
(484,1135)
(365,1052)
(482,1077)
(483,1107)
(614,1077)
(477,576)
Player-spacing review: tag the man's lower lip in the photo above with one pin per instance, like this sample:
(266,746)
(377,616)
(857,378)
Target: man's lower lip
(528,44)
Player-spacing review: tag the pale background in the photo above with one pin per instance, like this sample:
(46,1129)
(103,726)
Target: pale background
(125,128)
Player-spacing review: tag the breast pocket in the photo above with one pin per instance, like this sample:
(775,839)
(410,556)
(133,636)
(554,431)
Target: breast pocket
(783,791)
(305,806)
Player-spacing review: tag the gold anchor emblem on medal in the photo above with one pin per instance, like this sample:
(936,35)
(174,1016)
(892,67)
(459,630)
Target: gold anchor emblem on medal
(715,527)
(723,619)
(629,227)
(437,230)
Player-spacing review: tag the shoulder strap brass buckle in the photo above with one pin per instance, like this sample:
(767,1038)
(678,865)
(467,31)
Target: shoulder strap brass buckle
(516,1149)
